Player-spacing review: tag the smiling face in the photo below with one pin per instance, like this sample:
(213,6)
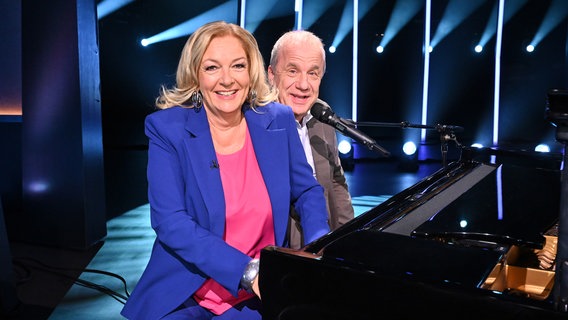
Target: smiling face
(297,75)
(224,76)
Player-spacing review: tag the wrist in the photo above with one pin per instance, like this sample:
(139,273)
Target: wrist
(250,274)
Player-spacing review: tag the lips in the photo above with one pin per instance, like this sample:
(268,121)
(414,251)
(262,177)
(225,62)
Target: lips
(226,93)
(299,99)
(299,96)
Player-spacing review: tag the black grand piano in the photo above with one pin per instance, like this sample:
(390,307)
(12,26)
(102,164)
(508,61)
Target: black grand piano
(474,240)
(484,237)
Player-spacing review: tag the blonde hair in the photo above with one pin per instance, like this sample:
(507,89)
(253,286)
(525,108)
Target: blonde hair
(302,38)
(187,80)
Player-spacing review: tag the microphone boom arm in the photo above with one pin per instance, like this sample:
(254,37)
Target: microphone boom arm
(371,145)
(406,124)
(447,132)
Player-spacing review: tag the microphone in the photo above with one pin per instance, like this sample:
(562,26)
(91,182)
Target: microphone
(323,113)
(446,128)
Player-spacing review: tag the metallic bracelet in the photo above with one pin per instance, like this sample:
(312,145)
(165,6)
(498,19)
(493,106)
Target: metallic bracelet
(251,272)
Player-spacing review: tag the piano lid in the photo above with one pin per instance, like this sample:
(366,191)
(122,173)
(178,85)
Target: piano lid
(510,205)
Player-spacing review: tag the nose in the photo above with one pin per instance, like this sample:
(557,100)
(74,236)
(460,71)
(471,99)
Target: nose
(227,78)
(302,81)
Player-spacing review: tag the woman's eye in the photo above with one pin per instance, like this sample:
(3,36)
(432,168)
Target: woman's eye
(240,66)
(210,68)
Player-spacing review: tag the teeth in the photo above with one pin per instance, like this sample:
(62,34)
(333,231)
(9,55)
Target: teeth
(225,93)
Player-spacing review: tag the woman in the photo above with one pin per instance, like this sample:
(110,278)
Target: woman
(224,165)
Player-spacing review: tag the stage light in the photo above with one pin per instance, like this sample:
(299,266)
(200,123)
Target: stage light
(456,12)
(426,70)
(309,11)
(491,27)
(299,12)
(542,148)
(478,48)
(409,148)
(409,157)
(257,11)
(530,48)
(345,24)
(344,147)
(106,7)
(556,13)
(332,49)
(346,154)
(224,11)
(402,14)
(477,145)
(497,76)
(380,49)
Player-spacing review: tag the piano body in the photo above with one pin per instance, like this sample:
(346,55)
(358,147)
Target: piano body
(469,241)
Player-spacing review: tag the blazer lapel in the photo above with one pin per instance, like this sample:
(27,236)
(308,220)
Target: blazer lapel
(204,165)
(269,145)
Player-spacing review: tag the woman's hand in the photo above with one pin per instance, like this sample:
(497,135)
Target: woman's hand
(255,287)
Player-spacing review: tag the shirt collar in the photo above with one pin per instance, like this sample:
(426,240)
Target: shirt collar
(305,120)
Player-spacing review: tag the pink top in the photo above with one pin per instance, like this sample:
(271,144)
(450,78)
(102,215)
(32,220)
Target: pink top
(249,225)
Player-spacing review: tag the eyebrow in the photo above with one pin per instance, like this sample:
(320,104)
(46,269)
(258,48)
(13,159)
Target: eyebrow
(293,65)
(233,61)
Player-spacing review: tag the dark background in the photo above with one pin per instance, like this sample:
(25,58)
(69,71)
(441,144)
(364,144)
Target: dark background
(74,92)
(461,82)
(390,85)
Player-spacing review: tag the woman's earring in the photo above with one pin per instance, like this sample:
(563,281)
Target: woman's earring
(196,100)
(252,96)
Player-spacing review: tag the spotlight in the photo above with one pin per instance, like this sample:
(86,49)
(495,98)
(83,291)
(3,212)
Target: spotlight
(542,148)
(344,147)
(409,148)
(332,49)
(530,48)
(409,157)
(478,48)
(346,155)
(380,49)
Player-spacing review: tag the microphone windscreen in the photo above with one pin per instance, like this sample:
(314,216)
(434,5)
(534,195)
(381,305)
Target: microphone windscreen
(321,112)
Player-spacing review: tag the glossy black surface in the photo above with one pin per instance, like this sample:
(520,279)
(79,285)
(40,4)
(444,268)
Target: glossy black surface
(410,257)
(510,205)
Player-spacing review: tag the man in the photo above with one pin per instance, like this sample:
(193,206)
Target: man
(297,65)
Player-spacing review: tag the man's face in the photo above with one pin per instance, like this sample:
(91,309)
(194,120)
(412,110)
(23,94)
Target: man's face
(297,76)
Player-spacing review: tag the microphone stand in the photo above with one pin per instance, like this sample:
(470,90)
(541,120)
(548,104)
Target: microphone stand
(447,132)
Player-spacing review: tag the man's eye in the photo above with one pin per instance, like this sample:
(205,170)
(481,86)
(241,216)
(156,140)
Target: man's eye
(292,73)
(313,75)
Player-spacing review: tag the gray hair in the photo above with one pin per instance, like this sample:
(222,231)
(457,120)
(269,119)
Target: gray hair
(302,37)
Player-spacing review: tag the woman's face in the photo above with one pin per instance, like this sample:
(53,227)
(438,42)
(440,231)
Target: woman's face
(224,75)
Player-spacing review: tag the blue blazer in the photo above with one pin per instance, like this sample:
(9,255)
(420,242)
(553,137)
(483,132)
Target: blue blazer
(188,207)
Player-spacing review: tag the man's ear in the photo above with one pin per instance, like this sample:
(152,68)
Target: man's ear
(270,75)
